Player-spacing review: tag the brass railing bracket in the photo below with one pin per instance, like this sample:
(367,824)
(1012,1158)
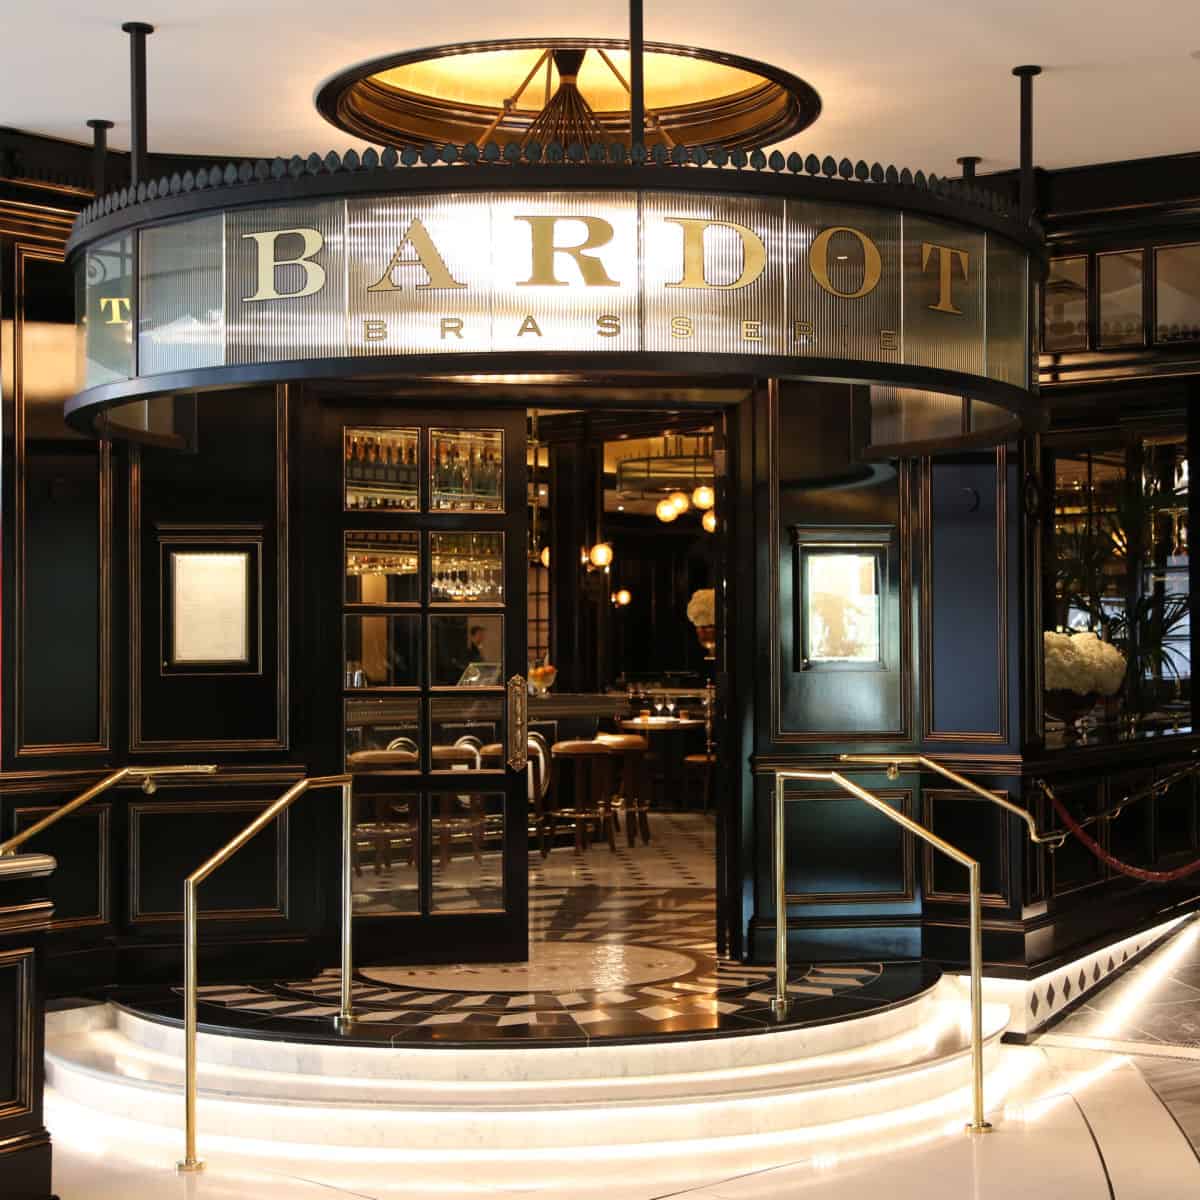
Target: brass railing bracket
(148,776)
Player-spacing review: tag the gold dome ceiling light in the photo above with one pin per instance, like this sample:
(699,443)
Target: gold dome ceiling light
(566,90)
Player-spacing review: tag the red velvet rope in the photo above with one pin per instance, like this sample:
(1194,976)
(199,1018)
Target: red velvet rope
(1116,864)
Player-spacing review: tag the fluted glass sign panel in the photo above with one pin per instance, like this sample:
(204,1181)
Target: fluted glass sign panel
(108,315)
(596,271)
(181,315)
(944,272)
(1007,285)
(285,282)
(843,283)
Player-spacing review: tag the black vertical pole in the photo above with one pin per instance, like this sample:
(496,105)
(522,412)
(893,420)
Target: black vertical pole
(137,30)
(637,86)
(1026,74)
(969,162)
(99,130)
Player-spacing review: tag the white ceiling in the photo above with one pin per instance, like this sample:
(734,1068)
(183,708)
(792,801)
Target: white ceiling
(911,82)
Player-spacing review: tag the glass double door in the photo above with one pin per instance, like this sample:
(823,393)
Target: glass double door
(430,532)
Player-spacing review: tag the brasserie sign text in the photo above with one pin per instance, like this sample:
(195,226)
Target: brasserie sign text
(580,271)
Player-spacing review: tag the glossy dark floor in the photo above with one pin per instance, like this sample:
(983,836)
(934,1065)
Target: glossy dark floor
(621,947)
(710,999)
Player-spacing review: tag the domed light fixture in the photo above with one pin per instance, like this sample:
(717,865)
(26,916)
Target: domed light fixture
(600,555)
(704,497)
(622,598)
(545,557)
(679,501)
(666,511)
(709,521)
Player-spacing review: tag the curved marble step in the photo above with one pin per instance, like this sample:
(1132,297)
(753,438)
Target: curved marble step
(100,1070)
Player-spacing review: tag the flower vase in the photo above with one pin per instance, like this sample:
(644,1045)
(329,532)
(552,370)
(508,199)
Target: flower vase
(707,635)
(1070,708)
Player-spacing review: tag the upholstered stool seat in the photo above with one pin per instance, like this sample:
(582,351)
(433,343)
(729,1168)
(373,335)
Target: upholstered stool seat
(383,806)
(591,766)
(633,796)
(380,760)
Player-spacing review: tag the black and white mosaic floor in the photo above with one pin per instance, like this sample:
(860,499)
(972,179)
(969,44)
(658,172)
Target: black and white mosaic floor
(621,946)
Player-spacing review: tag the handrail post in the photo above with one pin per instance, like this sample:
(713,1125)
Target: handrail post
(978,1124)
(190,1163)
(780,1003)
(345,1017)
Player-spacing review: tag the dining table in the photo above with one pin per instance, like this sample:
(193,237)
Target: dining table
(662,734)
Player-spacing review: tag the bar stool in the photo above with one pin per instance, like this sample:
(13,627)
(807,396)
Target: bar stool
(702,766)
(462,757)
(592,800)
(634,797)
(384,828)
(537,781)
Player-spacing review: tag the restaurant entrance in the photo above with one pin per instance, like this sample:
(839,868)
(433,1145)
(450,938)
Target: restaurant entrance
(523,647)
(424,527)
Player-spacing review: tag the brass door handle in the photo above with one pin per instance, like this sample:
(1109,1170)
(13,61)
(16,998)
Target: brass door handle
(518,723)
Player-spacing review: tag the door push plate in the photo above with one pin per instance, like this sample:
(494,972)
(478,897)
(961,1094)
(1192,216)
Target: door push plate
(518,723)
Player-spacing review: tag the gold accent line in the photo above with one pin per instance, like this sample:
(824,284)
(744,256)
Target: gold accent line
(780,1003)
(190,1163)
(895,761)
(147,775)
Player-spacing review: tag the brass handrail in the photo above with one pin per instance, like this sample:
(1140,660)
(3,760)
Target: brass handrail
(345,1014)
(779,1004)
(894,762)
(147,775)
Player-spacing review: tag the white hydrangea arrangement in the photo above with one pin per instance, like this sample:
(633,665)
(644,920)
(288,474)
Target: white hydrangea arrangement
(1082,663)
(702,607)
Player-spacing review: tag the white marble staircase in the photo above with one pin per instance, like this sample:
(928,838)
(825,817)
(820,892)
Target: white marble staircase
(895,1072)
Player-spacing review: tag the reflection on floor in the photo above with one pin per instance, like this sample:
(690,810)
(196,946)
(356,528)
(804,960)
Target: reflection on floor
(569,992)
(681,854)
(1151,1012)
(622,944)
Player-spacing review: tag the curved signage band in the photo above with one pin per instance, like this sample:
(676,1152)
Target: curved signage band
(442,282)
